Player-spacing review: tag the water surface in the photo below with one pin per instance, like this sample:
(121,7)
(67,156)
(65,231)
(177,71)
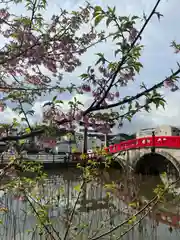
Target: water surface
(97,211)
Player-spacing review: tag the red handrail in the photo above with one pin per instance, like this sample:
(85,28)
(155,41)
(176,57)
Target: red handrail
(159,141)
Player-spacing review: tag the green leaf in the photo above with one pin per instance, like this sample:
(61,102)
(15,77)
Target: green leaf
(164,174)
(23,119)
(21,142)
(58,101)
(108,194)
(158,101)
(108,21)
(117,51)
(98,61)
(30,112)
(129,118)
(162,103)
(84,76)
(47,104)
(134,17)
(138,66)
(132,220)
(77,188)
(159,15)
(147,108)
(14,35)
(54,98)
(27,130)
(133,204)
(98,19)
(80,103)
(15,123)
(112,10)
(101,55)
(101,58)
(97,10)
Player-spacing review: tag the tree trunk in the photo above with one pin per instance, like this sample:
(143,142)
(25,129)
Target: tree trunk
(84,150)
(105,140)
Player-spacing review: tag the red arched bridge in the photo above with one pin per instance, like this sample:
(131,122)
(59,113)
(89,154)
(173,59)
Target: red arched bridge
(156,141)
(153,154)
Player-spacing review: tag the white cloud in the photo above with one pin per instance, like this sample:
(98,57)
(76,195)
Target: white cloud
(7,116)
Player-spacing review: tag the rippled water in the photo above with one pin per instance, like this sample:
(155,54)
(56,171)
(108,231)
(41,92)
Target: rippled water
(95,214)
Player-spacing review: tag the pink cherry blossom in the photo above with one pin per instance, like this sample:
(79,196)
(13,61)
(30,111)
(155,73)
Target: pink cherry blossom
(78,116)
(168,82)
(133,33)
(3,14)
(86,88)
(117,94)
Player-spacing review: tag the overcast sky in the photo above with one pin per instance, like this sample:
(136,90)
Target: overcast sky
(158,58)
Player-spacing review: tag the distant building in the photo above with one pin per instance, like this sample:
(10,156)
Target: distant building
(145,132)
(92,132)
(95,138)
(117,138)
(167,130)
(163,130)
(92,141)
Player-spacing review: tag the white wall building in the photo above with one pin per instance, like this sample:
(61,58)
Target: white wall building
(164,130)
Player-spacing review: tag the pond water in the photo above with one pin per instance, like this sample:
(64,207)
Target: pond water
(98,209)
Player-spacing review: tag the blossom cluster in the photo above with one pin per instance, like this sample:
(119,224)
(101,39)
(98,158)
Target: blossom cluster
(34,46)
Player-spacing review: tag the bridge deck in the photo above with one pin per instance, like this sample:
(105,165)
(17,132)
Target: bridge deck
(156,141)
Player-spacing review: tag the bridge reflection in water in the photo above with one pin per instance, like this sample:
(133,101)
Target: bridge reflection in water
(95,213)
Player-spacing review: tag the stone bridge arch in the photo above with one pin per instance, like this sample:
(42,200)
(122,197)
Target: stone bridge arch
(158,160)
(119,161)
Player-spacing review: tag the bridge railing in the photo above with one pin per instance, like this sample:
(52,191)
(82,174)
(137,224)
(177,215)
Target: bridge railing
(157,141)
(48,158)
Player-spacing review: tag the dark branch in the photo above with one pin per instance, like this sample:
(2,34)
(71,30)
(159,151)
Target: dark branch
(23,136)
(137,96)
(28,89)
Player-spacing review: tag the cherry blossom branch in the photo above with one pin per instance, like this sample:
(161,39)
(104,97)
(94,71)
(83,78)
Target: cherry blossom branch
(124,58)
(37,43)
(137,96)
(22,136)
(89,46)
(35,132)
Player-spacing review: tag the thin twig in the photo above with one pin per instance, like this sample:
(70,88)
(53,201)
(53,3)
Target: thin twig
(156,198)
(46,228)
(73,211)
(137,222)
(25,115)
(33,13)
(28,196)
